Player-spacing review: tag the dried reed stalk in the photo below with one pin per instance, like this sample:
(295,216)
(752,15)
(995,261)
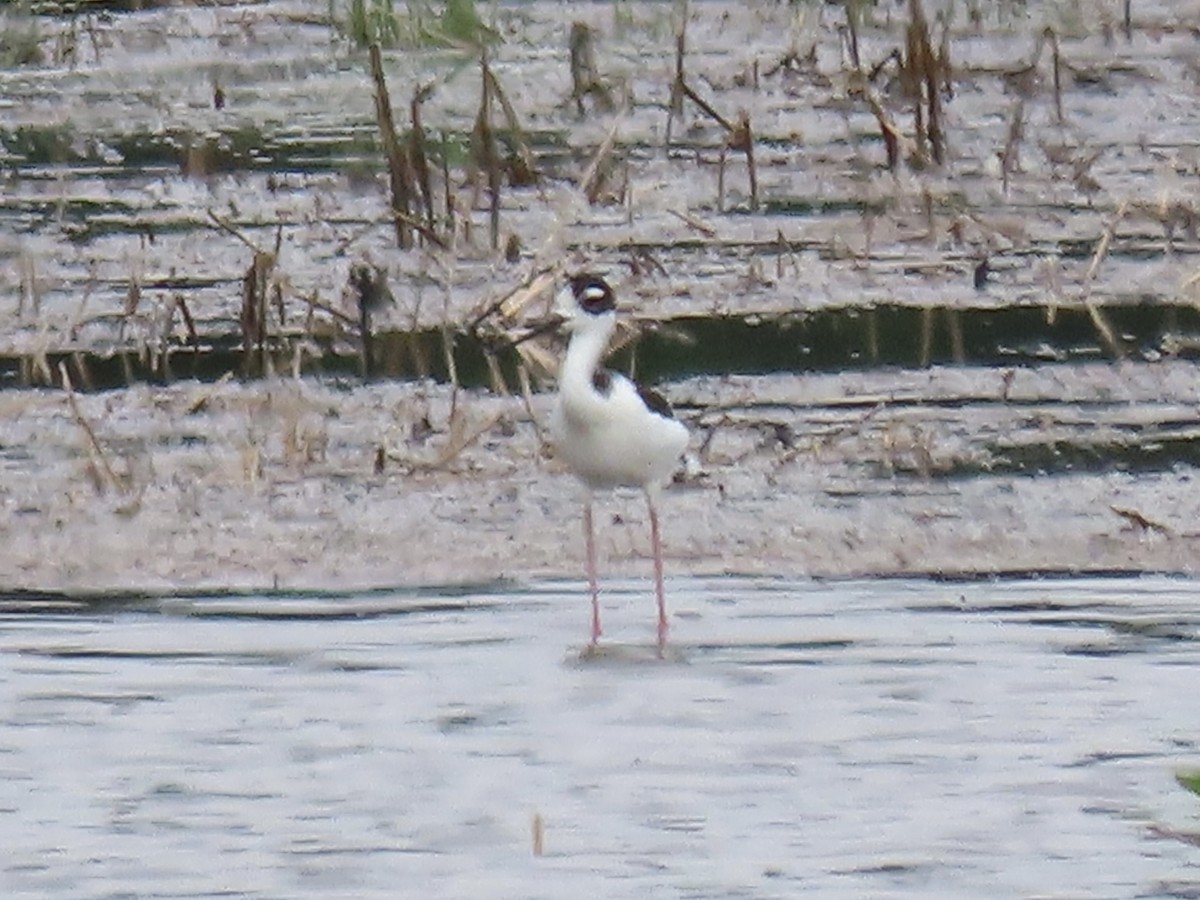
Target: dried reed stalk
(522,171)
(253,319)
(1058,107)
(738,136)
(694,223)
(594,175)
(451,369)
(539,834)
(369,285)
(400,178)
(1137,520)
(79,361)
(1107,335)
(893,139)
(461,437)
(585,74)
(527,401)
(484,152)
(923,74)
(420,160)
(96,452)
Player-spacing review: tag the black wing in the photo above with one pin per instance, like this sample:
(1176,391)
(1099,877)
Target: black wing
(655,402)
(602,380)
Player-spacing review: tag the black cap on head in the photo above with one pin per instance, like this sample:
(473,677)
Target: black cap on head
(592,293)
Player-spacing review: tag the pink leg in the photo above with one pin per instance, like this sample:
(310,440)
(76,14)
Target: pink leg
(589,540)
(658,576)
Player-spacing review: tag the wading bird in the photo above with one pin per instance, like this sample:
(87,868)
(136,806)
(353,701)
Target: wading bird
(610,432)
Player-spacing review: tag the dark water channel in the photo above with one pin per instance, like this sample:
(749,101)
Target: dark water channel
(830,340)
(842,739)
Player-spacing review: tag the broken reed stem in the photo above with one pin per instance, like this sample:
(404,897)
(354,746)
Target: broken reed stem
(362,280)
(593,178)
(1011,154)
(79,361)
(739,136)
(585,74)
(933,96)
(95,449)
(516,133)
(583,63)
(487,156)
(539,834)
(1105,241)
(527,400)
(253,319)
(337,314)
(852,15)
(675,105)
(426,231)
(743,139)
(922,68)
(1138,520)
(1107,335)
(925,349)
(694,223)
(446,182)
(188,321)
(420,159)
(872,334)
(721,180)
(705,107)
(891,134)
(399,179)
(229,229)
(496,379)
(923,74)
(451,370)
(460,439)
(958,348)
(1058,107)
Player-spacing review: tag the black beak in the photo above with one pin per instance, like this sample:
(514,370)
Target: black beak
(539,327)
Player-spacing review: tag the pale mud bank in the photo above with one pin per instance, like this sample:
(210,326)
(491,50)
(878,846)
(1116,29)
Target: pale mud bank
(278,483)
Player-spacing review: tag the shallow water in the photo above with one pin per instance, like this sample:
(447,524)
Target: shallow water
(865,738)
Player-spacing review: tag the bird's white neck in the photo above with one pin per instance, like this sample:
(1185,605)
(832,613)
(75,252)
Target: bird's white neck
(589,340)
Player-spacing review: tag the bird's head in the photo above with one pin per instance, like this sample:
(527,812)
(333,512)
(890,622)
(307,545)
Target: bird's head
(585,297)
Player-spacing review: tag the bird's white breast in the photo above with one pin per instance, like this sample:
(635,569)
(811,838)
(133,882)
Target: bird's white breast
(613,440)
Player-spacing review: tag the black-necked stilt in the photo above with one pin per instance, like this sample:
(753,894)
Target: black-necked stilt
(608,430)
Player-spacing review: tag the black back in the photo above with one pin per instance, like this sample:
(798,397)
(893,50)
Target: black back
(655,402)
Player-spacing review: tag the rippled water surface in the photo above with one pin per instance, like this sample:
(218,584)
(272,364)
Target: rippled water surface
(883,738)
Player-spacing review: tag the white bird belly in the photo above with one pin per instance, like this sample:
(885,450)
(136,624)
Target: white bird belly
(615,451)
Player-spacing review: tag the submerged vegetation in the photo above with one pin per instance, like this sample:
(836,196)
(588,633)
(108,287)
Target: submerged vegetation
(20,36)
(417,24)
(1190,780)
(367,22)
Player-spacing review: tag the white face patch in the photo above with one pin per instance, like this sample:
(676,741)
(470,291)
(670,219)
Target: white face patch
(593,292)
